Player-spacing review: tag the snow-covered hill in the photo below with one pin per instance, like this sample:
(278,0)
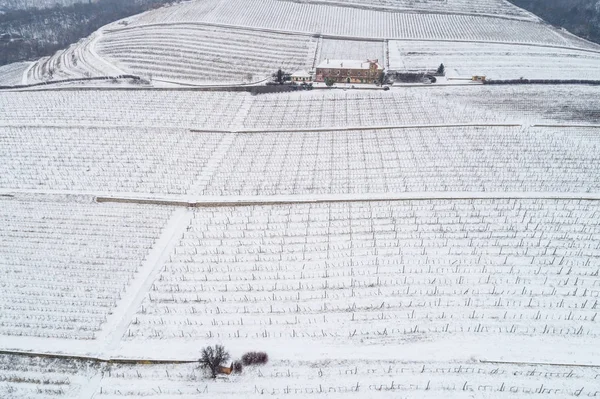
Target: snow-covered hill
(425,241)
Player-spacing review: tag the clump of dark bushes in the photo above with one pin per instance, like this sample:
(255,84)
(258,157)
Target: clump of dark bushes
(251,358)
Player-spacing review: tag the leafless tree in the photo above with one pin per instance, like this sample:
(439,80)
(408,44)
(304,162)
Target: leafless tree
(212,358)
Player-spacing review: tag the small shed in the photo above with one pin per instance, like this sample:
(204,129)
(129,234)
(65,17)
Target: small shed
(301,76)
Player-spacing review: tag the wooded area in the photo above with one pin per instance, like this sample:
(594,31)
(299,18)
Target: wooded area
(34,33)
(581,17)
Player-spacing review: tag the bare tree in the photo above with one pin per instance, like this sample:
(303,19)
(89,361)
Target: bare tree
(212,359)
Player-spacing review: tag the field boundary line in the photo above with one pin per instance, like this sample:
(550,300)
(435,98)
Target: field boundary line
(93,358)
(114,329)
(224,201)
(565,125)
(539,363)
(180,361)
(373,127)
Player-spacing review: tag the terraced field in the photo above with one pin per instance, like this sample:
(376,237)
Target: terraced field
(121,108)
(488,7)
(328,19)
(208,55)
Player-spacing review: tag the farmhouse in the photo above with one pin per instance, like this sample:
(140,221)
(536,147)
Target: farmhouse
(349,71)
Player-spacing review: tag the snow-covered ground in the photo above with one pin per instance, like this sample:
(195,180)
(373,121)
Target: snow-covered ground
(12,74)
(323,18)
(351,50)
(208,55)
(496,61)
(66,262)
(117,160)
(154,109)
(434,241)
(500,8)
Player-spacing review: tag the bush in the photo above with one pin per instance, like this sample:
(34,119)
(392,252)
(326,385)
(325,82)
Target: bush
(237,366)
(255,358)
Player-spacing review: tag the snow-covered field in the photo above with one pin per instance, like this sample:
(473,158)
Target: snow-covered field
(351,50)
(118,108)
(488,7)
(496,61)
(66,262)
(530,104)
(12,74)
(361,108)
(461,159)
(377,378)
(377,272)
(104,160)
(412,160)
(338,109)
(209,55)
(355,22)
(429,241)
(77,61)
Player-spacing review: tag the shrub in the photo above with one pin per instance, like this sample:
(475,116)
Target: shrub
(255,358)
(237,366)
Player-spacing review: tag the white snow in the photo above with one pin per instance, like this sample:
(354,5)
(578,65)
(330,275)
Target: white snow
(422,242)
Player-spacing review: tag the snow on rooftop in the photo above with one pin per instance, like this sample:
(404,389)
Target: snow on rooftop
(348,64)
(301,74)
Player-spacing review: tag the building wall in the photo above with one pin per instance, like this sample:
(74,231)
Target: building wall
(342,75)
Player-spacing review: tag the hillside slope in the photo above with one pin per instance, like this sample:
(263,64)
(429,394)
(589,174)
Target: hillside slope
(422,240)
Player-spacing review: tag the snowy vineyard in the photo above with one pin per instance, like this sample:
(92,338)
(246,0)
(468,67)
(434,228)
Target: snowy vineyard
(121,108)
(328,19)
(379,271)
(77,61)
(458,159)
(159,161)
(375,378)
(487,7)
(496,61)
(440,241)
(191,53)
(67,261)
(175,161)
(217,111)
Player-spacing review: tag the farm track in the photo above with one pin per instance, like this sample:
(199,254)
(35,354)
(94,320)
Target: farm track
(117,360)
